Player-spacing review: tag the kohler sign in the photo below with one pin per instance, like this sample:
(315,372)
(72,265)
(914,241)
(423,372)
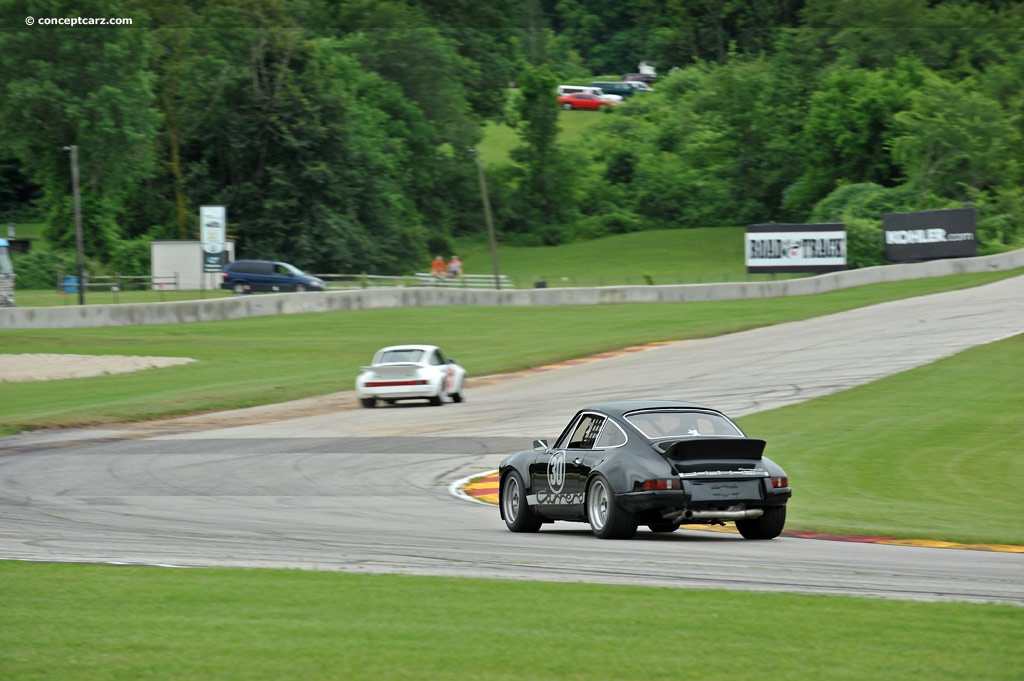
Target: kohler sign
(930,235)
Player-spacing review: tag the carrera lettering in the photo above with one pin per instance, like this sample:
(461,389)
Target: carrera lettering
(559,499)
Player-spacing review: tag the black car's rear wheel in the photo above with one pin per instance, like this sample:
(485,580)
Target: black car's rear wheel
(663,527)
(607,519)
(768,526)
(519,517)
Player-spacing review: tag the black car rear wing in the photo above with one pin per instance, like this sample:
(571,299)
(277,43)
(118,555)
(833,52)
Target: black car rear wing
(713,448)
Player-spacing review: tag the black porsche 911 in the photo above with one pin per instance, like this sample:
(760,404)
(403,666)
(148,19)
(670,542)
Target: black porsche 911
(657,463)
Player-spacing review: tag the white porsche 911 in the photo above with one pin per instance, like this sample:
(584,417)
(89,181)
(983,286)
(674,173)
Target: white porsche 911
(410,372)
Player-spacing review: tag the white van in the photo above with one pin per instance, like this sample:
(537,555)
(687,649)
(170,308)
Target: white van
(573,89)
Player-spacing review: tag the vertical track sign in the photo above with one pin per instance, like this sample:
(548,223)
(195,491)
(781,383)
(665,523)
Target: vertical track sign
(212,234)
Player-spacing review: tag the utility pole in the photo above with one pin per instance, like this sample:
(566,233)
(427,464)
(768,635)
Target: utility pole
(80,251)
(487,216)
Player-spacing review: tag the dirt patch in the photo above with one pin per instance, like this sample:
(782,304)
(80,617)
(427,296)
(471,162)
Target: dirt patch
(41,367)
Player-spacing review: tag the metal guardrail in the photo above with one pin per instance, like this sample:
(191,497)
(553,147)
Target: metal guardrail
(120,282)
(343,282)
(484,281)
(115,283)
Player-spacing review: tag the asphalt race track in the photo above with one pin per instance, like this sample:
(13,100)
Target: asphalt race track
(330,486)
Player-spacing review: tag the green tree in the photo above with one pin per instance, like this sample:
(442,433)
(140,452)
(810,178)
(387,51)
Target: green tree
(306,157)
(955,140)
(715,145)
(190,81)
(868,33)
(484,33)
(542,202)
(848,130)
(604,32)
(683,32)
(397,41)
(78,85)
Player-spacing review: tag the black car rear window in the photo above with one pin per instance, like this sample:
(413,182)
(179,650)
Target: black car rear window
(679,423)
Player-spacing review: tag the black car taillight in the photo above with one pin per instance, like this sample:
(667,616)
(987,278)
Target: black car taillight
(661,484)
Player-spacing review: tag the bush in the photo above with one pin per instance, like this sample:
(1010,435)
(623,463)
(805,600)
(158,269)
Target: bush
(131,258)
(41,270)
(865,243)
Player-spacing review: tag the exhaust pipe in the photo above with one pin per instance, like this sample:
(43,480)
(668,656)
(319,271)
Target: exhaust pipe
(680,516)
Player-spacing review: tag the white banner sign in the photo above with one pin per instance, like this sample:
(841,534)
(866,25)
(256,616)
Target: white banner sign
(212,236)
(818,249)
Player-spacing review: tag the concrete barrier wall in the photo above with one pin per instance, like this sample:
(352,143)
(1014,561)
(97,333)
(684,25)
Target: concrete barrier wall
(241,307)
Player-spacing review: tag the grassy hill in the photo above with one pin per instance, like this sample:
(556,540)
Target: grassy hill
(676,256)
(500,139)
(649,257)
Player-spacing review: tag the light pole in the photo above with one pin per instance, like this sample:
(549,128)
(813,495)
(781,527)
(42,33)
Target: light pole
(487,215)
(80,258)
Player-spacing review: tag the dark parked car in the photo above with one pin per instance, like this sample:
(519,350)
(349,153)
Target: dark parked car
(620,88)
(245,276)
(657,463)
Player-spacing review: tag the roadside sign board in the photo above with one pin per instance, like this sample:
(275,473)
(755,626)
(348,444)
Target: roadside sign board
(212,236)
(930,235)
(776,247)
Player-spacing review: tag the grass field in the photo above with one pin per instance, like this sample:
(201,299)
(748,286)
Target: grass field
(677,256)
(74,622)
(499,139)
(314,354)
(890,457)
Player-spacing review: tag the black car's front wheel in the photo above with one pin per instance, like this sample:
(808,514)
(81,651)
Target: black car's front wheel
(768,526)
(519,517)
(607,519)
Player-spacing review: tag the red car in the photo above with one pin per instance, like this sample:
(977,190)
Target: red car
(583,100)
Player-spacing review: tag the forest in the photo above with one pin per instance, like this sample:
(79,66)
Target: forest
(336,132)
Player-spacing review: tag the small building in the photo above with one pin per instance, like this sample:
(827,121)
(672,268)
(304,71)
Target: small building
(181,264)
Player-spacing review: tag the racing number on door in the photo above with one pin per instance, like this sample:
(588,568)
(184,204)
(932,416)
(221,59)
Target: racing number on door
(556,472)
